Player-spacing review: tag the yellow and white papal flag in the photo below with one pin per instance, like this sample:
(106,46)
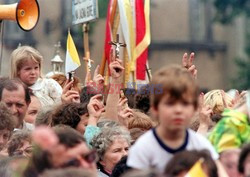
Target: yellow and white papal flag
(197,170)
(72,59)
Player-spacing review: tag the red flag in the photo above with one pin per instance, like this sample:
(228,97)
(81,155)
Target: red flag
(141,61)
(109,23)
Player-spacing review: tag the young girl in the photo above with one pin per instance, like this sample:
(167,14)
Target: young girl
(26,65)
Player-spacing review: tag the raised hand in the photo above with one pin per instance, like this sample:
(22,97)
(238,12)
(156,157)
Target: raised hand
(69,95)
(124,112)
(98,78)
(187,62)
(95,109)
(115,66)
(238,98)
(205,113)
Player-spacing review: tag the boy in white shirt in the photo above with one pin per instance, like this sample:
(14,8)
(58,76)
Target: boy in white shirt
(174,100)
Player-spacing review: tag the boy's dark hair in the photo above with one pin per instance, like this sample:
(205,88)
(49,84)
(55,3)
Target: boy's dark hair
(40,159)
(184,160)
(7,120)
(120,168)
(17,140)
(12,85)
(86,93)
(245,151)
(175,82)
(142,99)
(68,114)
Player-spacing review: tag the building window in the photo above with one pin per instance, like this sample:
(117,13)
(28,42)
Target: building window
(201,20)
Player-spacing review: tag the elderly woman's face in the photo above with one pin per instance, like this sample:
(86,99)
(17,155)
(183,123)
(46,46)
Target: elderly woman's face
(114,153)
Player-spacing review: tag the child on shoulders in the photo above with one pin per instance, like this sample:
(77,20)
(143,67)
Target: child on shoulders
(26,64)
(174,100)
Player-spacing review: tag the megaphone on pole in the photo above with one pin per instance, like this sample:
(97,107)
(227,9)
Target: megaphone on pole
(26,13)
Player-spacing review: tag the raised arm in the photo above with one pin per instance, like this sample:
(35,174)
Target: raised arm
(116,70)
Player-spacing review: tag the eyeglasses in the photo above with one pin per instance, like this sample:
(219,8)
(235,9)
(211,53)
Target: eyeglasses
(91,157)
(26,152)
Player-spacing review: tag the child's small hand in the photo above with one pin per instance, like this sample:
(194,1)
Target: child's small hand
(68,95)
(188,63)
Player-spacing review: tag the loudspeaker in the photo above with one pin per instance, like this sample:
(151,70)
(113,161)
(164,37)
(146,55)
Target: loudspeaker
(26,13)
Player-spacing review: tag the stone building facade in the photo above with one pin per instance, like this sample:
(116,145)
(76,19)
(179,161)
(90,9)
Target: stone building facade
(177,26)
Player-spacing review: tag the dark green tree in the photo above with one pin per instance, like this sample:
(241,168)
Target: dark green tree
(242,79)
(226,11)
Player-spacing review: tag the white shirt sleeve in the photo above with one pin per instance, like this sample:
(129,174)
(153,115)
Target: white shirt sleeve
(55,90)
(202,143)
(138,157)
(212,150)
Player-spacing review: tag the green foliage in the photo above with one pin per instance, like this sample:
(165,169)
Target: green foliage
(242,80)
(227,10)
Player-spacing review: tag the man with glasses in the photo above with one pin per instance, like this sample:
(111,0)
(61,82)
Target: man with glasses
(61,147)
(20,144)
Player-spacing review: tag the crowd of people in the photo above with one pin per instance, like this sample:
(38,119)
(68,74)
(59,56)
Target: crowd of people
(58,127)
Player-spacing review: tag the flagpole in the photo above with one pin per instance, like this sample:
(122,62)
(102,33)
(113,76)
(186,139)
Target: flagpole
(85,28)
(103,64)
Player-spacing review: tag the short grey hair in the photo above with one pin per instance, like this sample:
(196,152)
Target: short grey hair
(44,116)
(106,137)
(107,123)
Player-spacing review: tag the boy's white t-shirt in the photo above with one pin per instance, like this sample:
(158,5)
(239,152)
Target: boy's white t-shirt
(150,151)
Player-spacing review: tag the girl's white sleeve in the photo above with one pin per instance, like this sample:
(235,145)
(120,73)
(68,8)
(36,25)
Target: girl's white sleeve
(55,91)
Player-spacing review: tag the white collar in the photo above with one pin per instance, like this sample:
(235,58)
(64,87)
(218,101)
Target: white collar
(38,85)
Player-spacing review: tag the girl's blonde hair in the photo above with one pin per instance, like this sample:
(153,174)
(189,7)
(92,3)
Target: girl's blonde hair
(218,100)
(22,54)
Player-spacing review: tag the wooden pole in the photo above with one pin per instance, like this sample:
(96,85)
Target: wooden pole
(85,28)
(103,64)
